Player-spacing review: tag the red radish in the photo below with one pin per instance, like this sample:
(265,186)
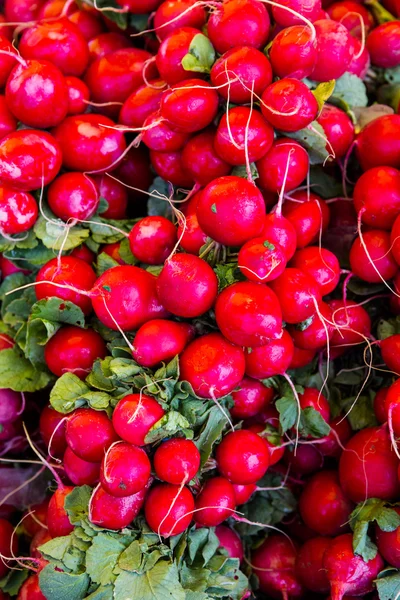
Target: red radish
(134,416)
(248,314)
(141,104)
(352,321)
(35,518)
(383,133)
(309,565)
(169,166)
(278,230)
(172,50)
(274,564)
(394,300)
(18,210)
(78,471)
(74,350)
(390,349)
(6,61)
(318,334)
(243,135)
(6,30)
(212,365)
(174,14)
(215,502)
(298,295)
(29,159)
(261,261)
(376,477)
(383,45)
(139,6)
(73,196)
(241,72)
(115,194)
(110,512)
(374,262)
(380,405)
(8,123)
(66,272)
(134,170)
(159,341)
(321,264)
(388,543)
(243,493)
(125,470)
(307,460)
(89,143)
(348,13)
(30,589)
(271,359)
(176,461)
(58,41)
(251,397)
(39,539)
(310,10)
(105,43)
(338,128)
(21,11)
(11,403)
(90,447)
(391,406)
(152,239)
(54,8)
(58,522)
(323,505)
(8,544)
(88,23)
(360,61)
(334,50)
(169,509)
(308,214)
(188,97)
(230,541)
(52,430)
(192,237)
(200,159)
(286,163)
(78,95)
(187,286)
(288,104)
(113,250)
(159,136)
(301,358)
(293,52)
(395,239)
(275,452)
(382,183)
(242,457)
(230,223)
(238,23)
(347,572)
(6,341)
(312,398)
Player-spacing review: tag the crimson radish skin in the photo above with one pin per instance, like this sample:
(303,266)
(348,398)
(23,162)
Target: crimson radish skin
(174,14)
(125,470)
(353,323)
(372,259)
(105,43)
(284,155)
(321,264)
(188,96)
(334,50)
(382,182)
(390,348)
(230,542)
(159,341)
(215,502)
(152,240)
(173,49)
(279,230)
(114,513)
(169,166)
(391,406)
(283,17)
(243,493)
(141,104)
(30,589)
(338,129)
(134,416)
(307,460)
(308,214)
(298,295)
(8,544)
(73,196)
(384,134)
(11,405)
(58,522)
(251,397)
(115,194)
(317,335)
(78,95)
(289,105)
(8,123)
(18,210)
(388,543)
(201,161)
(78,471)
(176,461)
(242,457)
(52,430)
(261,261)
(293,52)
(169,509)
(89,447)
(309,565)
(333,443)
(270,359)
(383,45)
(380,405)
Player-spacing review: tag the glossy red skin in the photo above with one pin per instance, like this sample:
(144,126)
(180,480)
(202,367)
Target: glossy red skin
(321,264)
(301,358)
(311,10)
(278,230)
(238,23)
(380,470)
(307,213)
(191,236)
(390,349)
(250,133)
(394,300)
(176,461)
(6,547)
(39,539)
(378,245)
(318,334)
(334,50)
(231,224)
(171,52)
(73,196)
(58,522)
(6,30)
(18,210)
(292,99)
(74,350)
(28,158)
(348,13)
(274,564)
(352,320)
(70,271)
(88,146)
(152,239)
(251,68)
(383,45)
(212,365)
(49,422)
(160,340)
(8,123)
(359,65)
(139,6)
(166,499)
(230,541)
(186,98)
(391,406)
(134,416)
(187,286)
(293,52)
(309,565)
(141,104)
(270,359)
(78,471)
(125,470)
(126,296)
(78,95)
(311,397)
(285,154)
(380,405)
(382,183)
(7,63)
(388,543)
(114,513)
(261,261)
(384,134)
(307,460)
(169,17)
(89,434)
(54,8)
(6,341)
(159,136)
(395,240)
(347,572)
(11,402)
(297,293)
(248,314)
(215,502)
(116,195)
(243,493)
(250,398)
(105,43)
(338,129)
(21,11)
(30,590)
(168,165)
(242,457)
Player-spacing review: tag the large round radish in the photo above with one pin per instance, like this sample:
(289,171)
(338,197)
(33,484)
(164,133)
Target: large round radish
(58,521)
(298,295)
(79,471)
(176,461)
(125,470)
(134,416)
(242,457)
(160,340)
(110,512)
(169,509)
(273,358)
(83,422)
(73,196)
(215,502)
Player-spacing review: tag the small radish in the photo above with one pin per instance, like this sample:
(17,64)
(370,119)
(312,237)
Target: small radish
(7,62)
(338,128)
(192,237)
(275,452)
(73,196)
(139,6)
(230,541)
(395,239)
(391,407)
(90,447)
(78,471)
(301,358)
(188,97)
(352,15)
(307,460)
(334,50)
(18,211)
(243,493)
(293,52)
(242,457)
(134,170)
(125,470)
(251,397)
(88,23)
(39,539)
(152,239)
(278,230)
(353,323)
(105,43)
(8,123)
(113,513)
(134,416)
(388,543)
(6,341)
(321,264)
(8,544)
(383,133)
(169,166)
(382,183)
(390,349)
(212,365)
(317,335)
(261,261)
(374,262)
(159,341)
(52,427)
(58,522)
(274,358)
(286,163)
(201,161)
(360,62)
(215,502)
(380,405)
(176,461)
(310,10)
(11,405)
(174,14)
(141,104)
(78,95)
(169,509)
(30,589)
(289,105)
(309,565)
(159,136)
(383,45)
(173,49)
(298,295)
(312,398)
(115,194)
(21,11)
(309,215)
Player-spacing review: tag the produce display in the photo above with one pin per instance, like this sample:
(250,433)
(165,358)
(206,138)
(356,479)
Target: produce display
(199,299)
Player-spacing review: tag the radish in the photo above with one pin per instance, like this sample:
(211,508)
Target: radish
(172,51)
(333,443)
(312,398)
(73,196)
(113,250)
(388,543)
(380,405)
(115,194)
(169,166)
(58,522)
(242,457)
(8,123)
(6,341)
(78,471)
(78,95)
(174,14)
(88,23)
(185,98)
(35,518)
(152,239)
(310,10)
(72,276)
(18,211)
(298,295)
(169,509)
(338,128)
(105,43)
(6,30)
(323,505)
(52,426)
(270,359)
(30,589)
(348,13)
(241,72)
(89,447)
(309,215)
(201,161)
(243,493)
(21,11)
(139,6)
(383,133)
(360,61)
(320,264)
(318,334)
(275,452)
(334,50)
(307,460)
(125,470)
(248,314)
(288,104)
(230,542)
(309,565)
(113,513)
(383,45)
(301,358)
(391,406)
(278,230)
(376,477)
(157,135)
(286,163)
(39,539)
(347,572)
(293,52)
(215,502)
(141,103)
(176,461)
(134,416)
(8,544)
(74,350)
(374,262)
(382,183)
(54,8)
(29,159)
(7,62)
(390,349)
(160,340)
(11,405)
(261,261)
(192,237)
(187,286)
(212,365)
(352,321)
(395,239)
(134,170)
(251,397)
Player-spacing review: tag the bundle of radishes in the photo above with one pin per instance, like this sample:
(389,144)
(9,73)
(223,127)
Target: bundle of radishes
(200,299)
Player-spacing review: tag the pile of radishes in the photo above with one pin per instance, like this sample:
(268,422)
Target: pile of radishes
(200,299)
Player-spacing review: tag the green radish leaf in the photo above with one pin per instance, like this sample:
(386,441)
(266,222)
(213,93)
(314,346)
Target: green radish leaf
(109,231)
(360,413)
(116,14)
(392,75)
(312,423)
(59,585)
(350,91)
(103,206)
(126,253)
(324,184)
(212,431)
(102,593)
(131,557)
(104,262)
(373,510)
(139,22)
(388,328)
(102,558)
(381,14)
(55,234)
(201,55)
(323,92)
(288,412)
(77,502)
(227,274)
(160,583)
(241,171)
(170,424)
(66,395)
(388,584)
(12,582)
(157,204)
(19,374)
